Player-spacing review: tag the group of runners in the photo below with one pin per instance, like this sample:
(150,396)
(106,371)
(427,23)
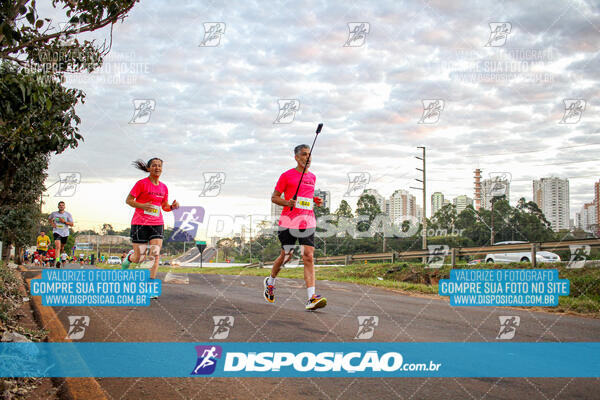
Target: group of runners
(45,253)
(150,197)
(297,223)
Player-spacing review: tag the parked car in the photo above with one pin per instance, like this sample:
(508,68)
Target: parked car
(113,260)
(520,256)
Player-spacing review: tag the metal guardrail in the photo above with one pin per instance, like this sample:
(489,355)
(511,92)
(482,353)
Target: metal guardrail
(462,251)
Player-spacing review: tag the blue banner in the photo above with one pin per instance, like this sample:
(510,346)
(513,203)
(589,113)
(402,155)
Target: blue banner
(95,287)
(504,287)
(281,359)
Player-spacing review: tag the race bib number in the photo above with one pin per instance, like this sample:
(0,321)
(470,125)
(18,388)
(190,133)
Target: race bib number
(304,203)
(42,244)
(60,225)
(155,212)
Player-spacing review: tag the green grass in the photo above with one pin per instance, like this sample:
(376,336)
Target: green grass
(415,278)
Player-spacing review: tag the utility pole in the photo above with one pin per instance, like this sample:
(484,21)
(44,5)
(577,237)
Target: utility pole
(250,238)
(424,189)
(492,222)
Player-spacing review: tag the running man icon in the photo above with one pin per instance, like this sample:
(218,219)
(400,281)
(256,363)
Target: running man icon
(187,220)
(207,359)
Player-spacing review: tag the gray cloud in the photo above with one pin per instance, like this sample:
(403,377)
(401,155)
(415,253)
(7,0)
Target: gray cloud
(215,106)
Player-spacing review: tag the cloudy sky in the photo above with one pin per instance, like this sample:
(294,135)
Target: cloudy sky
(214,105)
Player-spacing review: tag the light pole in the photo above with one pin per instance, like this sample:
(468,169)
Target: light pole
(250,238)
(424,189)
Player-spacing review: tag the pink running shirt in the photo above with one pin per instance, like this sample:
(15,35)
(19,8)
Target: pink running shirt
(145,191)
(302,216)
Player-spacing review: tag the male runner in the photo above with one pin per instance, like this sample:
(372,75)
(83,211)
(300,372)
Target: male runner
(43,241)
(61,221)
(297,224)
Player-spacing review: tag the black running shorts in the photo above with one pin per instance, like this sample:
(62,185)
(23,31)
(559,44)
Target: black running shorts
(63,239)
(142,234)
(288,237)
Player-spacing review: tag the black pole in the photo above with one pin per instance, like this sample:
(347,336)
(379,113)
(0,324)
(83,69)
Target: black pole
(319,127)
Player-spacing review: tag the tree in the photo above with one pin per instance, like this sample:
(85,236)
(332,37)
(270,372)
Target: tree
(320,211)
(107,229)
(25,37)
(20,221)
(445,217)
(530,207)
(37,113)
(343,211)
(28,130)
(227,245)
(367,206)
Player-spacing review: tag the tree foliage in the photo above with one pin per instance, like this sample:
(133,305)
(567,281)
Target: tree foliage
(37,112)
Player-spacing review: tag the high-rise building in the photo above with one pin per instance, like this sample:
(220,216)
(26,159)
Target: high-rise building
(402,206)
(552,197)
(379,198)
(461,202)
(387,207)
(325,195)
(493,187)
(437,202)
(586,218)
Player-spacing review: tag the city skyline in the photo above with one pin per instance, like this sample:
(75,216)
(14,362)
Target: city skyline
(275,211)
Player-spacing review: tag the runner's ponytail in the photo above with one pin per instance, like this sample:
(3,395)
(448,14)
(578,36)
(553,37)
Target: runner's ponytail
(144,166)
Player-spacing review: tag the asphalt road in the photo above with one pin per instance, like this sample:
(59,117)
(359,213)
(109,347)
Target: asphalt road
(184,313)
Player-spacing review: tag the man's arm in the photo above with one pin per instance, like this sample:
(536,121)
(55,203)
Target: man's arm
(280,201)
(51,220)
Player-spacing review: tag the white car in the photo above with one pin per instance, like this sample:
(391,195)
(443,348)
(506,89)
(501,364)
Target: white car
(520,256)
(113,260)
